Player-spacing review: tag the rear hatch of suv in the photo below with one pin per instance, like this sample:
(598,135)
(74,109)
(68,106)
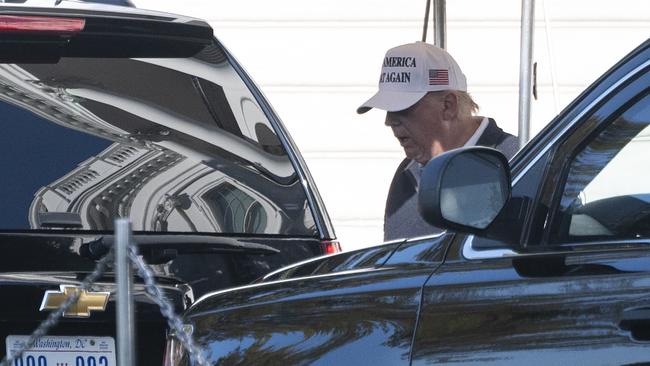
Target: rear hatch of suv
(113,112)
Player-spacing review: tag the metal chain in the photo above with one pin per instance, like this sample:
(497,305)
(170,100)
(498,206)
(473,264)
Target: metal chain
(54,317)
(166,309)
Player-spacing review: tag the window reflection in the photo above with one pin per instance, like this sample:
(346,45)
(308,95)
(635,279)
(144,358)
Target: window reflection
(238,212)
(174,144)
(607,192)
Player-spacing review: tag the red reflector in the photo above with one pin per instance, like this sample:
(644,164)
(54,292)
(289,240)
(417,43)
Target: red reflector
(331,247)
(12,23)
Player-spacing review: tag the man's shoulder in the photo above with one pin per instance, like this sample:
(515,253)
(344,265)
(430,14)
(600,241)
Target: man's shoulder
(494,136)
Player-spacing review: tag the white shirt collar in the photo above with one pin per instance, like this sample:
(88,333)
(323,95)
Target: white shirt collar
(477,134)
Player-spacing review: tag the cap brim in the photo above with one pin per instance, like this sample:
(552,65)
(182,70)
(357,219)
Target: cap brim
(391,101)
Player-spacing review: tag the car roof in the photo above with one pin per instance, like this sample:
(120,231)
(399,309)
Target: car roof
(82,8)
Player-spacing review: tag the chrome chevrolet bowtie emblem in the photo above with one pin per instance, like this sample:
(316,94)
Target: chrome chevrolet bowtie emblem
(87,302)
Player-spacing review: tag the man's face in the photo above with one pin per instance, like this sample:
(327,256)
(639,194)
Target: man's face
(415,127)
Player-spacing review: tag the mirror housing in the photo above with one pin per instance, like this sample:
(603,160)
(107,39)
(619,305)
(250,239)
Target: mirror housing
(465,189)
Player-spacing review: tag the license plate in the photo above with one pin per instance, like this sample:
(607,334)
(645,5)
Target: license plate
(64,351)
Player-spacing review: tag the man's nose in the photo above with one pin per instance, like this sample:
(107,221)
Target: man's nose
(392,121)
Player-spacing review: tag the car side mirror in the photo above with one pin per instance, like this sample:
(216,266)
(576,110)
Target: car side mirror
(464,189)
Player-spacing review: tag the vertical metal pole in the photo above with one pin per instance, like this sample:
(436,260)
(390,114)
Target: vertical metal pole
(525,69)
(440,23)
(426,21)
(125,315)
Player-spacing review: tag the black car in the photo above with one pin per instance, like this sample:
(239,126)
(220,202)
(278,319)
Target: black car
(111,112)
(549,263)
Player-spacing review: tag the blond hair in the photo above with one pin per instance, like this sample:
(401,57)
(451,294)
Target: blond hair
(466,105)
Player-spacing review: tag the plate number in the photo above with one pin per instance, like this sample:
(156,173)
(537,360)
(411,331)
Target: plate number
(31,361)
(79,361)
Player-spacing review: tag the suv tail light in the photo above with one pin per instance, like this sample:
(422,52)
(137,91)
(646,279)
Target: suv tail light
(12,23)
(330,246)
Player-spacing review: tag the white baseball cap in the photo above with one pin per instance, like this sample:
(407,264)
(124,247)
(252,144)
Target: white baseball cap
(409,72)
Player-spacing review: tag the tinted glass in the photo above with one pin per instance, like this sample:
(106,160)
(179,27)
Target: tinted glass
(175,144)
(607,193)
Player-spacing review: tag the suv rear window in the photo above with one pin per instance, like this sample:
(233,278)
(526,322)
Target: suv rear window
(176,144)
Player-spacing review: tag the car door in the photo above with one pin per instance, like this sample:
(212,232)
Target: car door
(575,289)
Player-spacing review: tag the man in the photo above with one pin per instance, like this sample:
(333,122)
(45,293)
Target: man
(424,94)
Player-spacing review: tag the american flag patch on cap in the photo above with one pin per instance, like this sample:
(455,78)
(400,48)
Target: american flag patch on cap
(438,77)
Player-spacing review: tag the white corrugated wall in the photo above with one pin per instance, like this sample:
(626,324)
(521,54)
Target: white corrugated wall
(318,60)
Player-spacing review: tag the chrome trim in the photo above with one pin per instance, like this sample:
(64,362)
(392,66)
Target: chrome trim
(585,248)
(471,253)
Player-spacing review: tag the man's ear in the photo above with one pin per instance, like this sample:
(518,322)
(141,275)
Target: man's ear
(450,107)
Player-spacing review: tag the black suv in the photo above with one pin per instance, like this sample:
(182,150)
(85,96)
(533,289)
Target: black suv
(549,263)
(111,112)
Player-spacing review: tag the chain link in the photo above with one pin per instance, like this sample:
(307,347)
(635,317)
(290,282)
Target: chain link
(166,309)
(54,317)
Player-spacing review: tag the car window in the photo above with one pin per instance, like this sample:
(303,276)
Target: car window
(607,190)
(176,144)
